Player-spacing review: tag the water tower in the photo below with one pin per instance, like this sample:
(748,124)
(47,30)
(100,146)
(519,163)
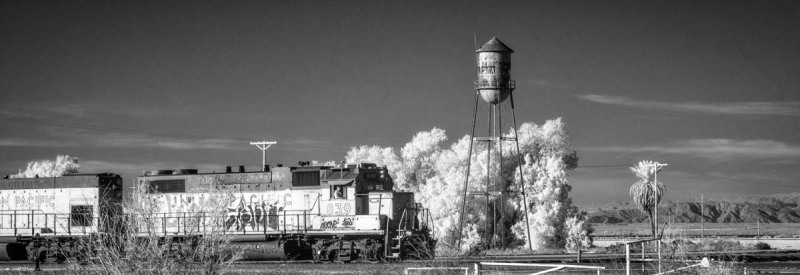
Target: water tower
(494,82)
(494,86)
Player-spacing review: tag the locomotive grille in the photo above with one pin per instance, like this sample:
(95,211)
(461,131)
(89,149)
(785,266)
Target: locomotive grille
(305,178)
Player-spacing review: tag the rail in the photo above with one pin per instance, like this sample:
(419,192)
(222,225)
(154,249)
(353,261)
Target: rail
(403,221)
(20,222)
(552,267)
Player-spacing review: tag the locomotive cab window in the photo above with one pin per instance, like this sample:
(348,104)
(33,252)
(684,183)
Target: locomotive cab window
(338,192)
(81,215)
(375,186)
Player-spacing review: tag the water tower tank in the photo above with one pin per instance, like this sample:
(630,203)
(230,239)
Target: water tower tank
(494,65)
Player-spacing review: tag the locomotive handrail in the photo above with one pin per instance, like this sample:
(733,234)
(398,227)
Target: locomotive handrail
(38,219)
(319,210)
(403,219)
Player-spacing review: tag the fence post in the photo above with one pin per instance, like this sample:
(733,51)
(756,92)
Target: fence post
(642,257)
(627,259)
(658,246)
(477,268)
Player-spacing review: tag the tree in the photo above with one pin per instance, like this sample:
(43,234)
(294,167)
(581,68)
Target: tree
(46,168)
(554,221)
(436,174)
(643,193)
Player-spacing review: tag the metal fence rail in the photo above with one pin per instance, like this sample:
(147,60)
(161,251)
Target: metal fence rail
(552,267)
(408,269)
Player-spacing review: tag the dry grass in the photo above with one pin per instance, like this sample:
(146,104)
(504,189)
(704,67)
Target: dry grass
(134,243)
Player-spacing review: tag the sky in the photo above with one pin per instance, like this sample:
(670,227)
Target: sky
(712,88)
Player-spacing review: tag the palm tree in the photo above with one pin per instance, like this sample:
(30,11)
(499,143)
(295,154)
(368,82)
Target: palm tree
(642,191)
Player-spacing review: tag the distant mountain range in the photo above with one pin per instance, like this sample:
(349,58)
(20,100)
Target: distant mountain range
(781,208)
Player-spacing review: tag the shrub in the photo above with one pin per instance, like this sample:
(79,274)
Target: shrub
(134,242)
(762,246)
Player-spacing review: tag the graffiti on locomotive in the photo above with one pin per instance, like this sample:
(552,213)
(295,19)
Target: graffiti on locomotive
(251,211)
(336,222)
(27,202)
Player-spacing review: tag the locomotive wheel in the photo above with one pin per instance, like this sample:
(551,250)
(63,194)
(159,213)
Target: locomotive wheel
(42,256)
(332,255)
(61,258)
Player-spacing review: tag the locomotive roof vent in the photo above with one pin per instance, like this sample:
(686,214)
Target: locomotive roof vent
(158,172)
(184,172)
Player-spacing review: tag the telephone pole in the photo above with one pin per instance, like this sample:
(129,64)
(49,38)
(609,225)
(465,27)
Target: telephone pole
(263,145)
(656,197)
(702,217)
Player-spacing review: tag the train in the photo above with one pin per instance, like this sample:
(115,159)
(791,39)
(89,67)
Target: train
(319,213)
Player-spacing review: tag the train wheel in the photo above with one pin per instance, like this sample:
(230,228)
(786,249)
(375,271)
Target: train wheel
(61,258)
(333,255)
(42,257)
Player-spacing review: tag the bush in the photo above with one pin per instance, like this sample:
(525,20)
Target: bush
(135,244)
(762,246)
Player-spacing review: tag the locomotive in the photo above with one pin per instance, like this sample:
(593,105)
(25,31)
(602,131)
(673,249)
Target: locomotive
(317,213)
(311,212)
(51,217)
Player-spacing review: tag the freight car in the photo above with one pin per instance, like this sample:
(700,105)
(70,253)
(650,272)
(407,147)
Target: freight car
(320,213)
(44,218)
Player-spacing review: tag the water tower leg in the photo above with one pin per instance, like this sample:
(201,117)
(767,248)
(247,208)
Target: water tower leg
(521,175)
(466,180)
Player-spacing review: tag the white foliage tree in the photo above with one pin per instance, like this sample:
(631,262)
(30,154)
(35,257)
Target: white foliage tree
(436,174)
(579,232)
(547,184)
(419,158)
(382,156)
(63,164)
(547,160)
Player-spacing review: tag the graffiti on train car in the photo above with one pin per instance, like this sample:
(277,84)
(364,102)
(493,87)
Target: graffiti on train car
(27,202)
(242,178)
(253,215)
(336,222)
(248,212)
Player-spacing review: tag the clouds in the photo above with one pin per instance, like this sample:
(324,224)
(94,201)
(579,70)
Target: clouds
(714,149)
(70,137)
(86,110)
(130,169)
(54,127)
(767,108)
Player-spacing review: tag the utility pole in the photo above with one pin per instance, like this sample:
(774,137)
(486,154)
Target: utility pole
(702,217)
(656,197)
(263,145)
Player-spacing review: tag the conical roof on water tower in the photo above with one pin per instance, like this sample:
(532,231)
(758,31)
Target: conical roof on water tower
(494,45)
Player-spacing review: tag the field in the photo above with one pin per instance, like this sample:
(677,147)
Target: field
(693,230)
